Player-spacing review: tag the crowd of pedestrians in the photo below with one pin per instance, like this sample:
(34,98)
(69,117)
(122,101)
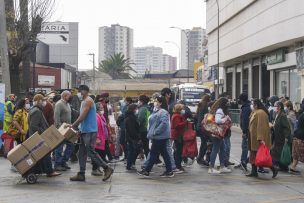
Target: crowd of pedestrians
(159,130)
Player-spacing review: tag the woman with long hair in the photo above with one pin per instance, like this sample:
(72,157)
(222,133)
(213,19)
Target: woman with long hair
(259,133)
(220,110)
(202,110)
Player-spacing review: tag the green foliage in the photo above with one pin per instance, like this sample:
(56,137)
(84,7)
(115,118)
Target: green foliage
(117,66)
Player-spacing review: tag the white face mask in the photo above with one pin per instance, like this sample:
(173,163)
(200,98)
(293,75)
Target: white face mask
(136,112)
(27,106)
(35,103)
(183,112)
(44,103)
(101,112)
(251,107)
(285,109)
(79,95)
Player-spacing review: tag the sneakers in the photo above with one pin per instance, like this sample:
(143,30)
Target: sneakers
(78,177)
(107,173)
(225,170)
(204,163)
(179,171)
(242,166)
(230,163)
(132,168)
(213,171)
(66,166)
(143,173)
(167,175)
(97,173)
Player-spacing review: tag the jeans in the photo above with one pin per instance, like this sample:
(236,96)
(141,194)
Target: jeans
(145,143)
(244,155)
(159,146)
(46,165)
(87,148)
(203,147)
(170,152)
(132,153)
(217,148)
(227,148)
(178,145)
(61,159)
(123,142)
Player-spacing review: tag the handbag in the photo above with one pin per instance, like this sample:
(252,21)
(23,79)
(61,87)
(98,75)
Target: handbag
(285,159)
(263,157)
(216,130)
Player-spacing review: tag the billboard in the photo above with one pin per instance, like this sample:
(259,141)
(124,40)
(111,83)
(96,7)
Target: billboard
(54,33)
(2,101)
(46,80)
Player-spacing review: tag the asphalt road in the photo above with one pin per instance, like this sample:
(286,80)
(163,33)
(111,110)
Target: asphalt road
(196,185)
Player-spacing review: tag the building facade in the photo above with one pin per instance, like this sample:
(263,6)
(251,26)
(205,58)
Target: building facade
(113,40)
(260,46)
(169,63)
(148,59)
(192,40)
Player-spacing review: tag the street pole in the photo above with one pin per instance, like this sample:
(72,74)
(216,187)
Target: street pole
(93,85)
(34,47)
(218,49)
(4,50)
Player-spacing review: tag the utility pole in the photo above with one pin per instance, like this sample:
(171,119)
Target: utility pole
(93,85)
(218,50)
(4,50)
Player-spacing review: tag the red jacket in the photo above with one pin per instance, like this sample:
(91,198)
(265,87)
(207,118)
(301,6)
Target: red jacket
(178,124)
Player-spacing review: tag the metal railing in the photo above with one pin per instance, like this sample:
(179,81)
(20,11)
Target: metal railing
(235,116)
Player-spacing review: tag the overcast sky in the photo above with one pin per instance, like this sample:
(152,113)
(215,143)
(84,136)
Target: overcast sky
(150,20)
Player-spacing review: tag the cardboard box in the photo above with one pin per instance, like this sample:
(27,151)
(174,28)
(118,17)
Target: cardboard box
(21,159)
(52,137)
(36,146)
(69,133)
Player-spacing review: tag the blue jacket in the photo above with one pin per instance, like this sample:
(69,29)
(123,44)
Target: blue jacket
(244,117)
(159,125)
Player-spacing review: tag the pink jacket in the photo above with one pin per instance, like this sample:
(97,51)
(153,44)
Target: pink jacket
(100,133)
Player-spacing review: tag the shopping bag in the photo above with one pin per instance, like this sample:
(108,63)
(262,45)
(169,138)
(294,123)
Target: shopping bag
(263,157)
(190,149)
(285,155)
(216,130)
(8,143)
(189,134)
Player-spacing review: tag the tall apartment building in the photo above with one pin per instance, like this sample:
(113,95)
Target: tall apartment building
(195,37)
(115,39)
(169,63)
(148,59)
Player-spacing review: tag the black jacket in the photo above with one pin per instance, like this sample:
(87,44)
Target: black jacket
(244,117)
(132,127)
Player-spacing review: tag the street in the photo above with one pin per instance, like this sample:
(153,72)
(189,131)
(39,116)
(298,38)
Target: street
(196,185)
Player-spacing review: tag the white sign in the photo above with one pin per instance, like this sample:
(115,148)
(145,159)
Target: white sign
(54,33)
(46,80)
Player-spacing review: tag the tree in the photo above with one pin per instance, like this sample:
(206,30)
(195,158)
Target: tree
(24,19)
(117,66)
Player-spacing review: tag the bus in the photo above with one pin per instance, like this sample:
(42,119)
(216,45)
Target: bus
(190,93)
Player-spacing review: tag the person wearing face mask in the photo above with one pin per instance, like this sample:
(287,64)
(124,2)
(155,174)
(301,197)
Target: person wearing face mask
(143,117)
(159,134)
(20,122)
(63,115)
(281,135)
(178,125)
(259,133)
(132,135)
(38,123)
(291,116)
(48,111)
(100,146)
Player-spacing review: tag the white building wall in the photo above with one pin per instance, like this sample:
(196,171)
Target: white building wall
(66,79)
(248,26)
(148,59)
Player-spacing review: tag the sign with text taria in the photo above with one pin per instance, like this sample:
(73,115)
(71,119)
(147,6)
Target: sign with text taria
(54,33)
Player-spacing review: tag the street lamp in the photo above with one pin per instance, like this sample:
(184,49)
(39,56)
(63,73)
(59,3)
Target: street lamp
(179,52)
(93,55)
(188,54)
(218,49)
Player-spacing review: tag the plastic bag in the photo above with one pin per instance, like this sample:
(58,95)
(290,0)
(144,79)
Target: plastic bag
(285,155)
(263,157)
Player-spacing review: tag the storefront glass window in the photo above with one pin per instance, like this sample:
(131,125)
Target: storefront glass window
(295,86)
(282,83)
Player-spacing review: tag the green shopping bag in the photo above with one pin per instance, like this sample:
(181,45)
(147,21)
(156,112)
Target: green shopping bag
(286,155)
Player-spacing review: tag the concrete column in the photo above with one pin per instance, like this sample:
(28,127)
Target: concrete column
(260,78)
(272,80)
(250,79)
(242,68)
(234,82)
(225,78)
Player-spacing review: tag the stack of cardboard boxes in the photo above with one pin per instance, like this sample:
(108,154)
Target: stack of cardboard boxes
(24,156)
